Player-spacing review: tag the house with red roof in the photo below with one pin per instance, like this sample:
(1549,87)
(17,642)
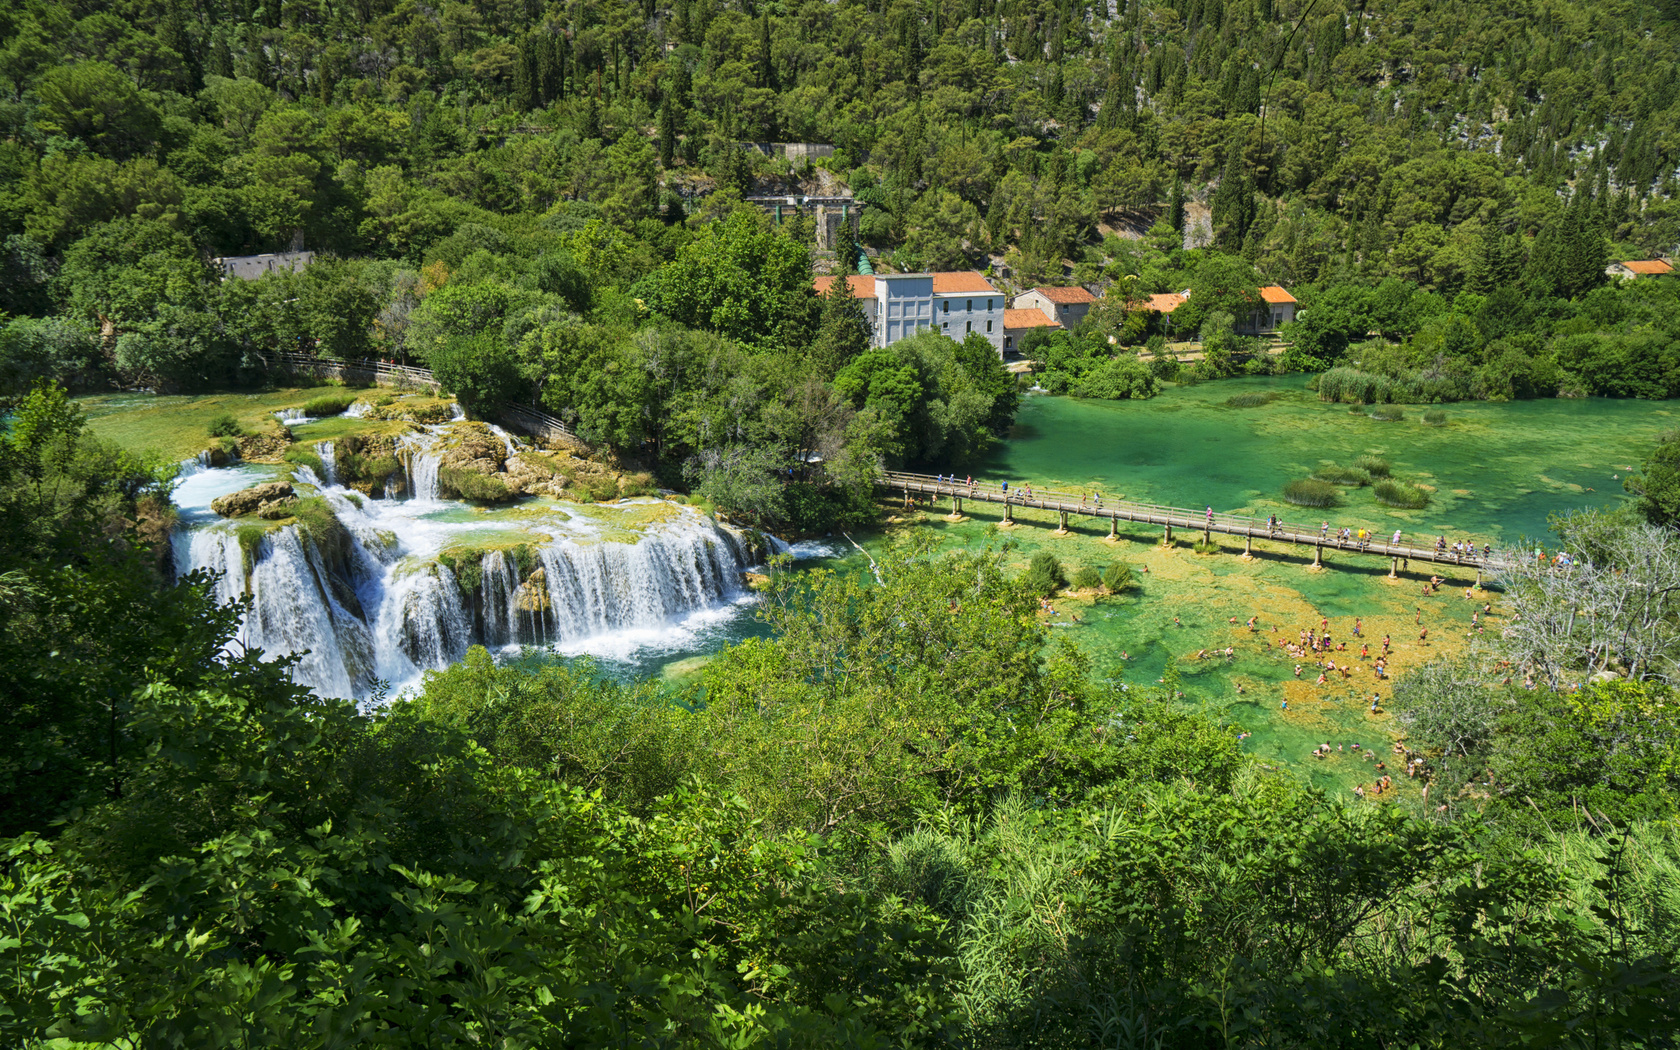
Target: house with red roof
(1017,323)
(1066,306)
(1277,308)
(897,305)
(1638,268)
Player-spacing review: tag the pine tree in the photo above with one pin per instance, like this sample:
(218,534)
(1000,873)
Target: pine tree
(1175,206)
(527,77)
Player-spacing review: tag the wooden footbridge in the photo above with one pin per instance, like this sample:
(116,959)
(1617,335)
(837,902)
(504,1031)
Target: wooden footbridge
(1100,508)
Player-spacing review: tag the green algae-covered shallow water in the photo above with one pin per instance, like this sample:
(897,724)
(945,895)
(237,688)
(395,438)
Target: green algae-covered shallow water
(1496,472)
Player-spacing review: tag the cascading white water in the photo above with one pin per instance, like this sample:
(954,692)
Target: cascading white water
(293,417)
(326,449)
(420,460)
(384,604)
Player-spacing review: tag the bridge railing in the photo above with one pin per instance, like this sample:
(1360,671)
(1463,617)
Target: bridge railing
(1190,515)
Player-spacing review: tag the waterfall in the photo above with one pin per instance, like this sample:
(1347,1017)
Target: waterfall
(420,463)
(375,598)
(358,409)
(326,449)
(293,417)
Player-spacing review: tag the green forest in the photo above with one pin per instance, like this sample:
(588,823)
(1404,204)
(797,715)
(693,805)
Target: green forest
(540,200)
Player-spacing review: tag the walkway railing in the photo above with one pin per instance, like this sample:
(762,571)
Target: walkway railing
(1114,511)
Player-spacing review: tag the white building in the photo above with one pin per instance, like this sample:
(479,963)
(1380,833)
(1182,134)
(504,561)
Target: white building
(901,304)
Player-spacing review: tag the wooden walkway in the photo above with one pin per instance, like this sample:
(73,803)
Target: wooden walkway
(1068,505)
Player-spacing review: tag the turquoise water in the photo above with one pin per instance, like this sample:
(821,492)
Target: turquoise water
(1497,469)
(1496,472)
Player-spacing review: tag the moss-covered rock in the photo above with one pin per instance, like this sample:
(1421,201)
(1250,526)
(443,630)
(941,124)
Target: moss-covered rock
(251,500)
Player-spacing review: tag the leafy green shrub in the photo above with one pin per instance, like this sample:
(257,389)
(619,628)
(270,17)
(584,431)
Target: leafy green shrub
(1435,417)
(328,405)
(1388,413)
(1353,476)
(1376,466)
(225,425)
(1119,577)
(600,489)
(1045,575)
(1087,578)
(1393,493)
(1311,493)
(1254,400)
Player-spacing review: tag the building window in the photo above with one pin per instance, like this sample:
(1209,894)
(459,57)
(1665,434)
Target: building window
(946,327)
(989,328)
(988,305)
(971,306)
(947,305)
(1008,341)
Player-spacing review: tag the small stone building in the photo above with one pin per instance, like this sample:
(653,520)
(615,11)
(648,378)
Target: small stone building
(1066,306)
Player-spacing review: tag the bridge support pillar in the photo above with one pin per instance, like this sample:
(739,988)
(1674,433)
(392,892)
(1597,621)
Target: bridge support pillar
(1008,513)
(1114,526)
(907,497)
(956,504)
(1207,537)
(1248,545)
(1167,538)
(1394,568)
(1478,577)
(1063,529)
(1318,556)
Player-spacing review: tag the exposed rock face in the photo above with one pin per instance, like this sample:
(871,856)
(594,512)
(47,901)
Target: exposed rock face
(532,595)
(254,500)
(269,447)
(533,475)
(474,447)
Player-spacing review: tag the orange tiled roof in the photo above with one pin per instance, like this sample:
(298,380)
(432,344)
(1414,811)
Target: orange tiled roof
(863,285)
(1066,295)
(1274,294)
(1166,302)
(1649,266)
(959,281)
(1028,319)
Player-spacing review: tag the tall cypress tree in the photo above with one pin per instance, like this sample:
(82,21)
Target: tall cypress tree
(766,68)
(667,130)
(1233,203)
(1175,206)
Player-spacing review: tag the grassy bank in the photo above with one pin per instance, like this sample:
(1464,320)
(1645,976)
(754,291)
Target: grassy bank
(178,426)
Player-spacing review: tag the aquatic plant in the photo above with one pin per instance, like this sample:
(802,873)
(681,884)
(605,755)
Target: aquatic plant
(328,404)
(1435,417)
(1354,476)
(1254,400)
(1310,493)
(1376,466)
(1388,413)
(1087,577)
(1391,493)
(1045,575)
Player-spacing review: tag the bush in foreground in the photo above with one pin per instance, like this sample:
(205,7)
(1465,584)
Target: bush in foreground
(1353,476)
(328,404)
(1045,575)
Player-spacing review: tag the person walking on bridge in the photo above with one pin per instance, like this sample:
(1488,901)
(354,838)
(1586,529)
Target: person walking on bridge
(1210,517)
